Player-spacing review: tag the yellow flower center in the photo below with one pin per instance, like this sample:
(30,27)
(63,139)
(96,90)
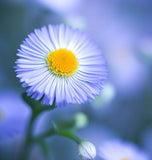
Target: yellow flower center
(62,62)
(125,159)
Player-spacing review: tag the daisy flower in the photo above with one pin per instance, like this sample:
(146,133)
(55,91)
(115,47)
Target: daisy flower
(62,65)
(119,150)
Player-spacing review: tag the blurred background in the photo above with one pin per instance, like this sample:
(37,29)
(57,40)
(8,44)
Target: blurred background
(123,30)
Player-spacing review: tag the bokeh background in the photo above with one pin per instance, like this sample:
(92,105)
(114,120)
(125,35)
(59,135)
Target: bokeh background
(123,30)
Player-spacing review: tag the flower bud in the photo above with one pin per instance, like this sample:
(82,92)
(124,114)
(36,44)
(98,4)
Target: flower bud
(86,150)
(81,120)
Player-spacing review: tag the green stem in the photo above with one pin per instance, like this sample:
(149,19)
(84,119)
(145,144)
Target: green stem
(70,136)
(28,138)
(36,110)
(64,133)
(44,108)
(44,135)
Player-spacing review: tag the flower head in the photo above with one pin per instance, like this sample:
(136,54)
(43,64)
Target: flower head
(61,64)
(118,150)
(86,150)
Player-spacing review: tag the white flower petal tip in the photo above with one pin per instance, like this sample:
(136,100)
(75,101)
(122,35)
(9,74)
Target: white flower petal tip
(86,150)
(61,64)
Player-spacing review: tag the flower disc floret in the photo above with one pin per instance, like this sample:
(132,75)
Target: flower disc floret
(62,62)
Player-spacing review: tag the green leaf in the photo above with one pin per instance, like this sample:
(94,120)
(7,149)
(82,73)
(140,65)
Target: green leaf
(45,148)
(55,127)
